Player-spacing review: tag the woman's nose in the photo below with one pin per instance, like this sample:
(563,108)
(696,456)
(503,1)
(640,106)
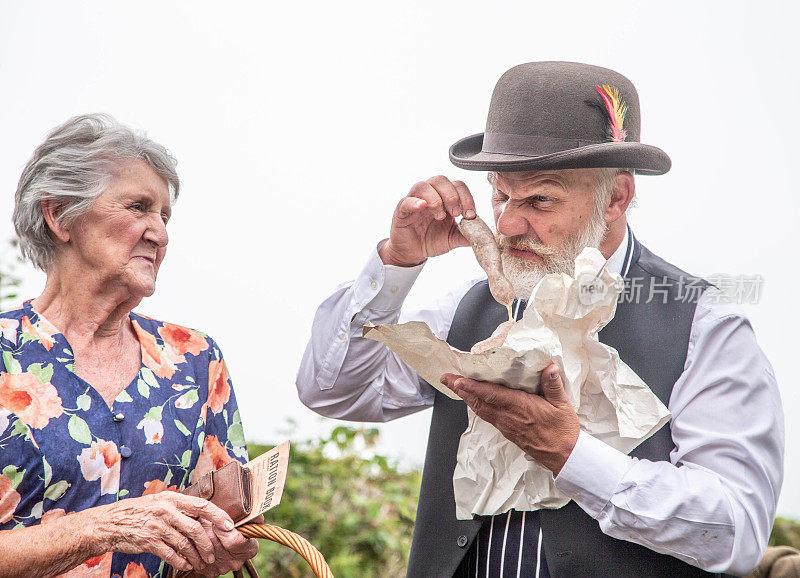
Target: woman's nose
(157,232)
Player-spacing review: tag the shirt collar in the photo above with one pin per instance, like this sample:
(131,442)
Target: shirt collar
(620,260)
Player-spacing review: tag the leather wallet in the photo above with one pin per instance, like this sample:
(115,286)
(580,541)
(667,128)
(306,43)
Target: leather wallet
(228,488)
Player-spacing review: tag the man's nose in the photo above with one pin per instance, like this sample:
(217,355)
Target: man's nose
(511,222)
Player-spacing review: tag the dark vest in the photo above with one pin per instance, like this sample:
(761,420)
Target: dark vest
(652,338)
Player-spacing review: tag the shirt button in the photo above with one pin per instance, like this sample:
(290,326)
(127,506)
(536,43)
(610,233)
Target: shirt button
(462,541)
(374,285)
(119,416)
(343,337)
(125,451)
(393,289)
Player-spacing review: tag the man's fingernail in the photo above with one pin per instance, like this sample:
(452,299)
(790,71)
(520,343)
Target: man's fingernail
(443,380)
(469,214)
(228,525)
(554,376)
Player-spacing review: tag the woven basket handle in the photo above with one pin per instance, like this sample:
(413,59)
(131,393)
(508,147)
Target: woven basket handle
(294,541)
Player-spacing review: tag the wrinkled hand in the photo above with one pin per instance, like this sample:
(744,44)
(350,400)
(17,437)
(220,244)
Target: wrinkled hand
(544,427)
(423,224)
(186,532)
(231,550)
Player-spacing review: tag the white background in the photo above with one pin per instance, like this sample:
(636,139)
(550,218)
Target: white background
(298,126)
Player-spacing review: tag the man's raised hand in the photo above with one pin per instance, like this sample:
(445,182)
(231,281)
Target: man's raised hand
(423,224)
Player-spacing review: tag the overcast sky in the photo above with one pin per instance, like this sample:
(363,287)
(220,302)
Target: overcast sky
(298,127)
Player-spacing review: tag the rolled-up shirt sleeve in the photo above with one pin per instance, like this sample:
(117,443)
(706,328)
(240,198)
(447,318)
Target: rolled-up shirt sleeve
(714,503)
(342,375)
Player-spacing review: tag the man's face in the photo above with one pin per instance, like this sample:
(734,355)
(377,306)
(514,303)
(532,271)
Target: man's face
(544,219)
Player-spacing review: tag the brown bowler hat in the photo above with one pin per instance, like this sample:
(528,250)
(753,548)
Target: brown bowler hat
(560,115)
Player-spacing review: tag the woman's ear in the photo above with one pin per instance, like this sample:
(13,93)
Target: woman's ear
(51,210)
(624,189)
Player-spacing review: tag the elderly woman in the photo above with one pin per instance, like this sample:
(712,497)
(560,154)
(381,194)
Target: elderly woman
(102,408)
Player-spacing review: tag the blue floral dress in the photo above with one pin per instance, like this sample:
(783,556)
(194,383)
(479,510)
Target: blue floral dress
(62,449)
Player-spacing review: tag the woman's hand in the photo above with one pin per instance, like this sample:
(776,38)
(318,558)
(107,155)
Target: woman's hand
(186,532)
(231,549)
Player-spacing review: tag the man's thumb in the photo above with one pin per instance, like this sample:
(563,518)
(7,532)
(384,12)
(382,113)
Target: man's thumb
(552,386)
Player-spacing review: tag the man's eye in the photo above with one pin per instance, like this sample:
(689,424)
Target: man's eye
(137,206)
(165,218)
(538,199)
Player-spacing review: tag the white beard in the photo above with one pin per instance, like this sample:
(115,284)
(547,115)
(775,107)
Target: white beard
(524,275)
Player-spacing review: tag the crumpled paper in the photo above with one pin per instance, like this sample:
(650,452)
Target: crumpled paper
(560,324)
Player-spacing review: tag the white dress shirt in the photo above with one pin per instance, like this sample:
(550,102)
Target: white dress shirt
(712,505)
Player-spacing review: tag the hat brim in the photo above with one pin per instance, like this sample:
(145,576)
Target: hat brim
(645,159)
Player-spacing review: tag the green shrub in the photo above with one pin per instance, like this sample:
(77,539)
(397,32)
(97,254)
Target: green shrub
(9,277)
(785,532)
(358,511)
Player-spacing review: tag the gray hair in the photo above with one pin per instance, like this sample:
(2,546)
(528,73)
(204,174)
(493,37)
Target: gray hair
(606,182)
(72,167)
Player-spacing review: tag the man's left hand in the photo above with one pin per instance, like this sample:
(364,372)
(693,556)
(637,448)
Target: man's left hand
(544,426)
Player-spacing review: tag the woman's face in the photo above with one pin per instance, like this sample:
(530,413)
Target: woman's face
(122,239)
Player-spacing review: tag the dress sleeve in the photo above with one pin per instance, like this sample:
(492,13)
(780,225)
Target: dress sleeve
(21,490)
(222,434)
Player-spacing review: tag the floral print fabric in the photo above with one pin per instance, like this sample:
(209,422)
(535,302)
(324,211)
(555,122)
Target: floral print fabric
(62,449)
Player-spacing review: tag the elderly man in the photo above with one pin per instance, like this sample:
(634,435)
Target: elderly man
(699,496)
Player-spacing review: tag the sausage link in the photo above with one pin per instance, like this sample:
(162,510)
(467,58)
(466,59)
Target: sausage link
(480,236)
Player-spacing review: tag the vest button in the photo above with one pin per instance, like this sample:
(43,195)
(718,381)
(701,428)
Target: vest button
(125,451)
(462,541)
(119,416)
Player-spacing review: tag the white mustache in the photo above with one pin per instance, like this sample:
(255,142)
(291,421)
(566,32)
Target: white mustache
(525,243)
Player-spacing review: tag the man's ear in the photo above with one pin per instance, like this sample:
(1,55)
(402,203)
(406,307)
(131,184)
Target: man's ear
(51,210)
(624,189)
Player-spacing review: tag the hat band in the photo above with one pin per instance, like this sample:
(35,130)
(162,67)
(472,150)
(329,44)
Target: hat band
(529,145)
